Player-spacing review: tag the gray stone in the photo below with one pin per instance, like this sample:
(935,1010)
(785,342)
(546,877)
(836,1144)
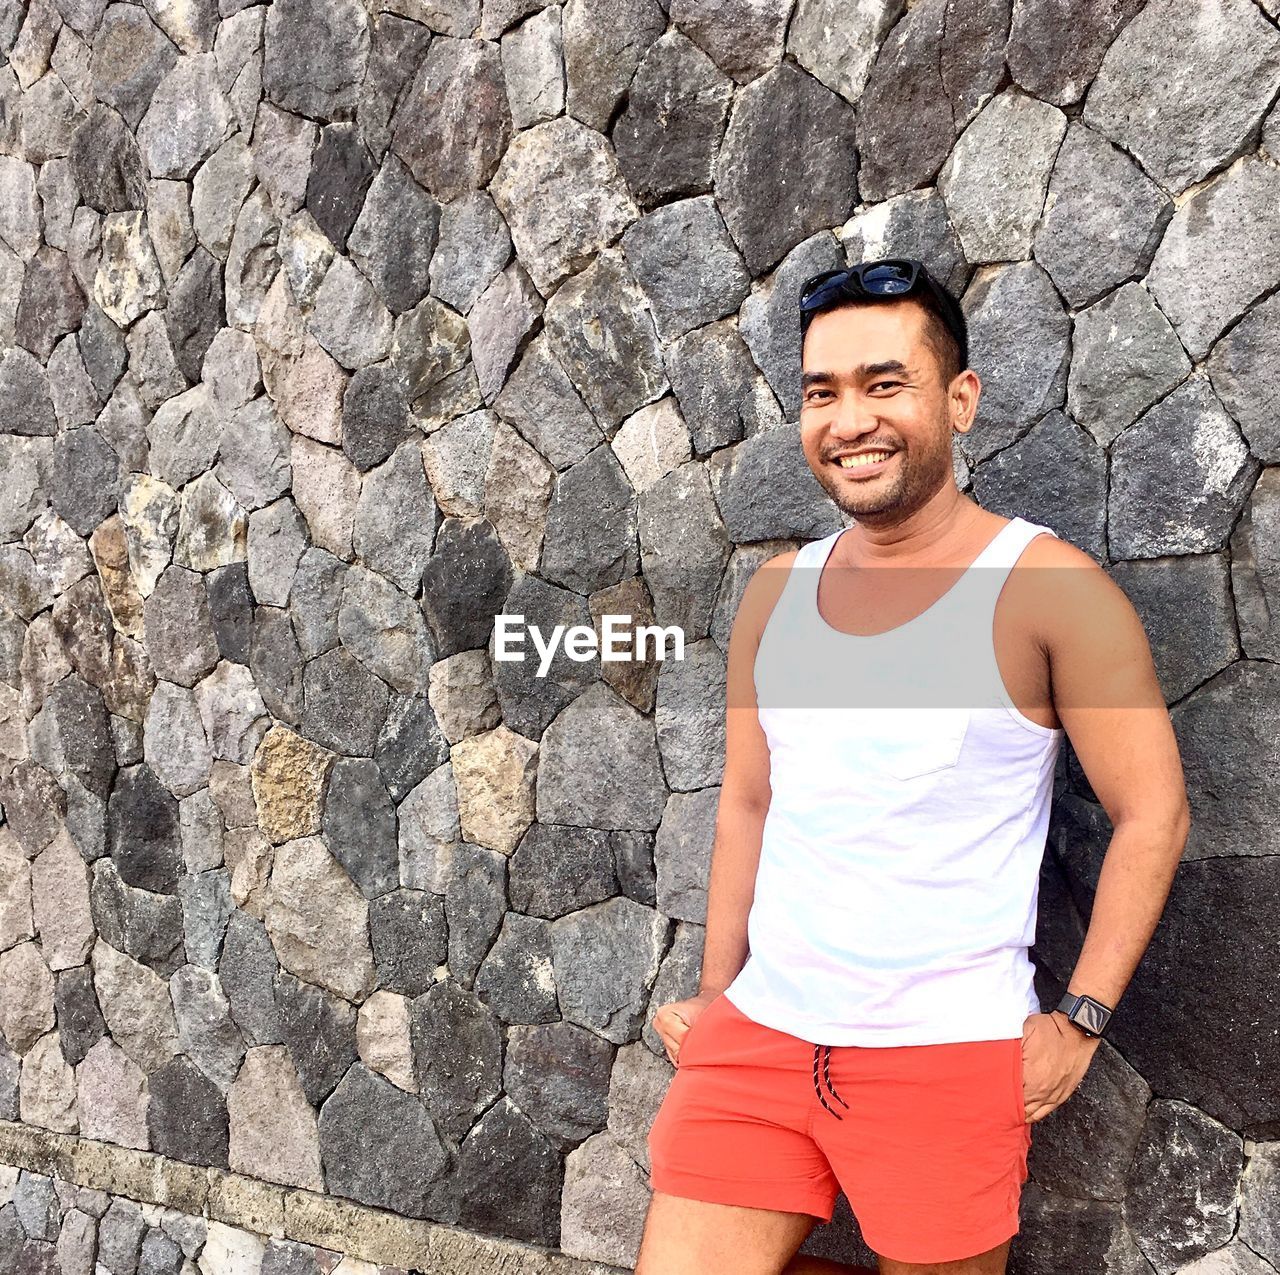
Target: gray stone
(541,402)
(558,1075)
(128,280)
(360,825)
(341,170)
(25,462)
(206,1030)
(1125,356)
(604,1190)
(24,391)
(590,534)
(667,133)
(253,260)
(246,969)
(515,978)
(320,1031)
(788,165)
(475,903)
(50,304)
(1246,377)
(501,322)
(187,1115)
(130,58)
(276,663)
(744,37)
(37,1205)
(344,704)
(75,400)
(410,744)
(160,1255)
(394,237)
(364,1107)
(1179,1212)
(80,1022)
(995,179)
(1160,90)
(187,119)
(120,1237)
(604,41)
(430,344)
(1075,506)
(184,435)
(561,193)
(143,831)
(682,852)
(314,598)
(385,630)
(453,123)
(457,1052)
(1055,48)
(253,454)
(1019,338)
(463,620)
(770,321)
(1103,218)
(349,319)
(1255,555)
(206,909)
(395,53)
(606,958)
(194,312)
(911,225)
(1192,507)
(509,1177)
(556,870)
(179,631)
(407,930)
(315,59)
(474,245)
(533,68)
(835,50)
(277,540)
(396,518)
(152,361)
(1217,255)
(140,923)
(77,713)
(20,209)
(689,715)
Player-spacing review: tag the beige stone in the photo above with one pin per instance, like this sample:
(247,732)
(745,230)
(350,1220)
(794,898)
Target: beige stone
(16,922)
(462,695)
(289,774)
(248,855)
(495,774)
(382,1039)
(60,903)
(149,511)
(230,1251)
(112,1097)
(326,489)
(47,1087)
(26,996)
(517,490)
(652,442)
(318,920)
(273,1126)
(241,1201)
(136,1006)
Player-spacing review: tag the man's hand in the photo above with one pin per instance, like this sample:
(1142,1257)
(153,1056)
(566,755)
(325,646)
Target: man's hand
(672,1021)
(1055,1056)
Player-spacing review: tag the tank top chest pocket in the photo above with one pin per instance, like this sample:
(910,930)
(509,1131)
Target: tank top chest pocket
(914,742)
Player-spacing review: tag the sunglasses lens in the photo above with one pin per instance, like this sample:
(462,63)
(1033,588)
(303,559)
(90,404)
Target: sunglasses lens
(823,287)
(887,281)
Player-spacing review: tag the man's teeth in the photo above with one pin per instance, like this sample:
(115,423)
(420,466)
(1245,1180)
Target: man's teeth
(868,458)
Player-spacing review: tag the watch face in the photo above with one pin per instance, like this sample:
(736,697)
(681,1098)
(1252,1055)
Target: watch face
(1090,1015)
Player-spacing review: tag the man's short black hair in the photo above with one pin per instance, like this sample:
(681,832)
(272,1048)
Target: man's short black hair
(951,353)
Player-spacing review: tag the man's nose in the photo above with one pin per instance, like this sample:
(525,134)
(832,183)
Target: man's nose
(854,416)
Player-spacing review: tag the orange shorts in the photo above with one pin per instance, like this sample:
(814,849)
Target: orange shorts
(928,1142)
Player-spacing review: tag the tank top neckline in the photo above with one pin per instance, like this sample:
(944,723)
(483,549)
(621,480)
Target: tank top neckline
(986,551)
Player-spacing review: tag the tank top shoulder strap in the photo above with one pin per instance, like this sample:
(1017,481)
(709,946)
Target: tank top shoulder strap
(1006,547)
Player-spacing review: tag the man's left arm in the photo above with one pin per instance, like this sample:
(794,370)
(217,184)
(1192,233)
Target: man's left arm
(1108,698)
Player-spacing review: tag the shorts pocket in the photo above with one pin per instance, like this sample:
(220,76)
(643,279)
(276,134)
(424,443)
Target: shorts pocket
(695,1031)
(922,741)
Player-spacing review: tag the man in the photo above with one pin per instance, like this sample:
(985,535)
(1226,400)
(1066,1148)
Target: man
(865,1019)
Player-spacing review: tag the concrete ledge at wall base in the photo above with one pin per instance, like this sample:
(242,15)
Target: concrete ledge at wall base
(282,1212)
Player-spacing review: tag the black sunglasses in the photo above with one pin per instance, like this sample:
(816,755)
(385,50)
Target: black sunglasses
(893,277)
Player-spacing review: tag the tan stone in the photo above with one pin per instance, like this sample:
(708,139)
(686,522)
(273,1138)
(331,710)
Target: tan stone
(136,1006)
(127,692)
(382,1039)
(495,774)
(112,1096)
(318,920)
(241,1201)
(462,694)
(47,1087)
(289,774)
(60,903)
(248,855)
(326,489)
(26,996)
(16,922)
(273,1126)
(110,551)
(230,1251)
(517,491)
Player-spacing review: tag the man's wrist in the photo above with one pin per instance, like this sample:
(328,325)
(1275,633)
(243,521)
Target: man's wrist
(1083,1036)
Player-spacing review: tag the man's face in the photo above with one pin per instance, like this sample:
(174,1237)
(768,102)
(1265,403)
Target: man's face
(870,379)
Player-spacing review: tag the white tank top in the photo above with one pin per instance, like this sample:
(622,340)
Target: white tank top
(899,870)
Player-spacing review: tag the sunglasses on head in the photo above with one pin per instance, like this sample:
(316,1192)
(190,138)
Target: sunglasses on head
(893,277)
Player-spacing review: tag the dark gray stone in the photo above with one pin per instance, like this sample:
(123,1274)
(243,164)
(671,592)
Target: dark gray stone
(464,585)
(1012,483)
(276,663)
(911,225)
(475,902)
(360,825)
(320,1030)
(633,860)
(604,41)
(453,123)
(1055,47)
(457,1055)
(1183,94)
(179,629)
(408,935)
(288,1257)
(246,970)
(590,536)
(195,312)
(395,53)
(743,37)
(120,1237)
(395,235)
(34,804)
(375,415)
(187,1115)
(24,392)
(1103,218)
(509,1178)
(345,705)
(690,716)
(50,303)
(138,922)
(130,58)
(367,1110)
(80,1022)
(788,165)
(341,171)
(1246,377)
(474,244)
(558,1074)
(1157,509)
(515,979)
(143,834)
(160,1255)
(556,870)
(668,132)
(84,479)
(206,909)
(410,745)
(107,164)
(77,714)
(102,346)
(315,56)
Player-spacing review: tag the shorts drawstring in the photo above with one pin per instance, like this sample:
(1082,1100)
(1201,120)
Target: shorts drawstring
(826,1075)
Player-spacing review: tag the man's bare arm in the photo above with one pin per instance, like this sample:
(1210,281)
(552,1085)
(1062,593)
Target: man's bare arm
(1109,700)
(744,789)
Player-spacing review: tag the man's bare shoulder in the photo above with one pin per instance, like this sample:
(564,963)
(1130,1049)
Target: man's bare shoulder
(762,591)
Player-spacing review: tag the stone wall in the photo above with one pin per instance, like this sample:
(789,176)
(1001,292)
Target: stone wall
(332,330)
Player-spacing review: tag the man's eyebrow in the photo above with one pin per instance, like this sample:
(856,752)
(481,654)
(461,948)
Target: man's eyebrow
(859,373)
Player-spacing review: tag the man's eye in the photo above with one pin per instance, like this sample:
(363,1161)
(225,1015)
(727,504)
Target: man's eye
(813,394)
(890,384)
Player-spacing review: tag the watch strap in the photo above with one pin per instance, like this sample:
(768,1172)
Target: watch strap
(1089,1015)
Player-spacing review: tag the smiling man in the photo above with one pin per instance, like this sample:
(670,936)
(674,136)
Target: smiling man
(866,1018)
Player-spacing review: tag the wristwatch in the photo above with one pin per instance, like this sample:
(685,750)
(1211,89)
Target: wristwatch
(1089,1015)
